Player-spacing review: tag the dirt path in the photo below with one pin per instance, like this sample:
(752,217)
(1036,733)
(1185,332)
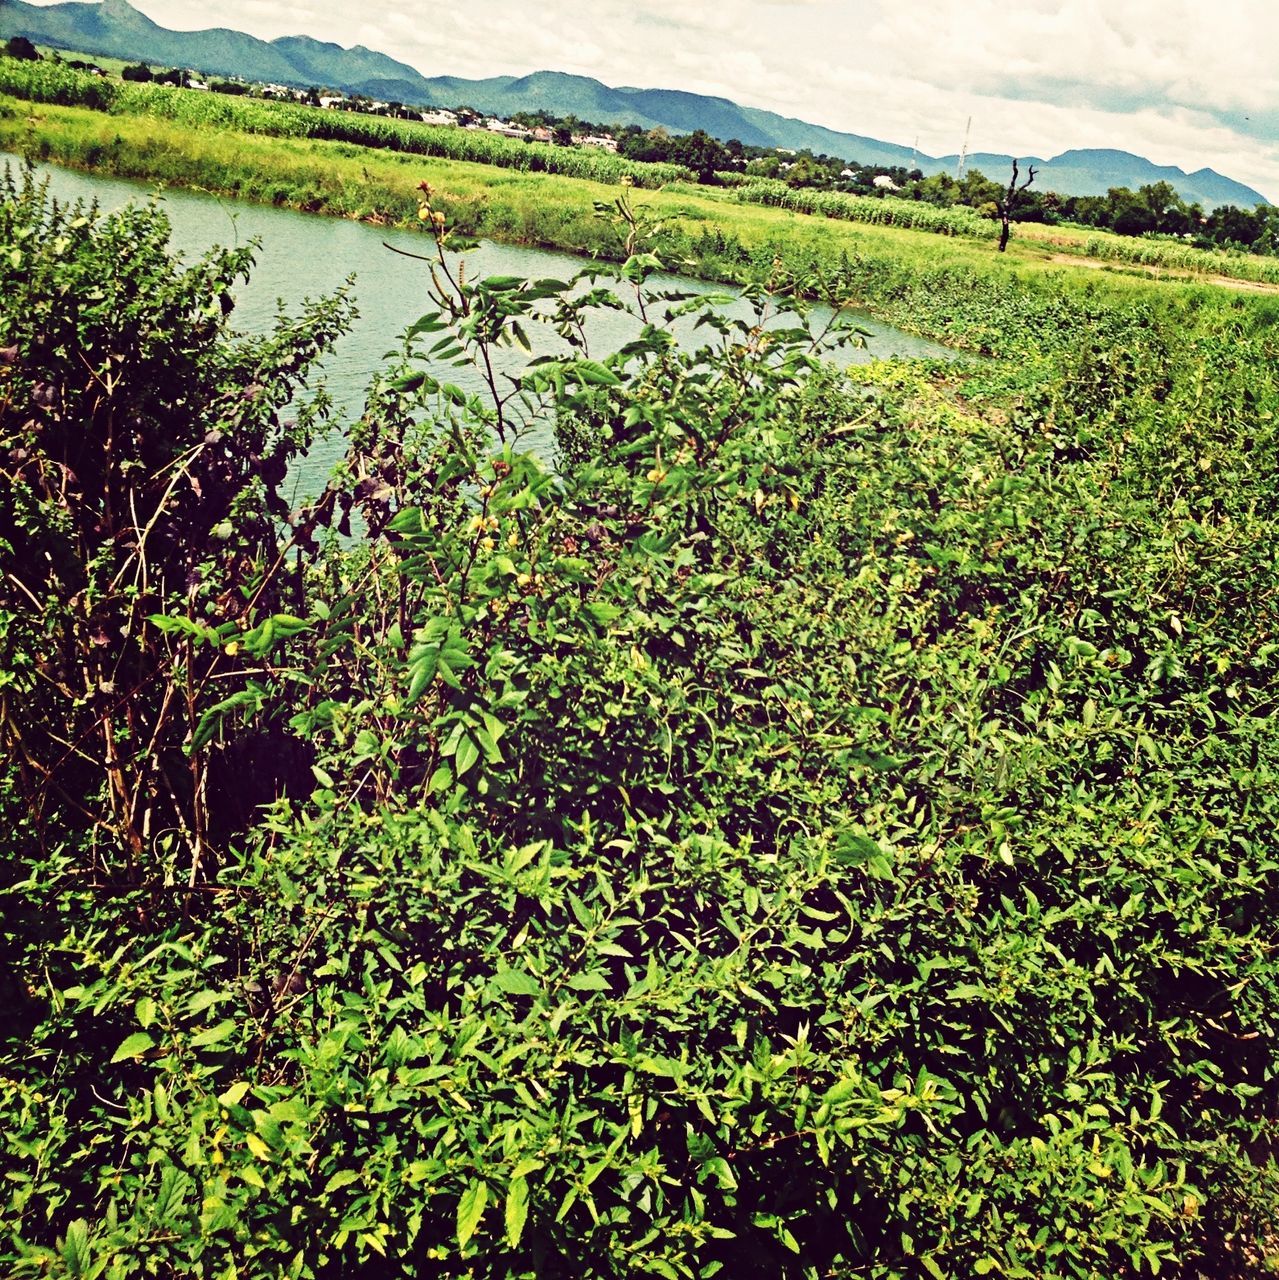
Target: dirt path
(1194,277)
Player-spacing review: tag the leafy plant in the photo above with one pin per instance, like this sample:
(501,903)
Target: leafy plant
(820,827)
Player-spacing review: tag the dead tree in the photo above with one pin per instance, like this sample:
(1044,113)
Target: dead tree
(1007,206)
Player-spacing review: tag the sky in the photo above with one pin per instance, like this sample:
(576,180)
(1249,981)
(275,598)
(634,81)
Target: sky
(1177,81)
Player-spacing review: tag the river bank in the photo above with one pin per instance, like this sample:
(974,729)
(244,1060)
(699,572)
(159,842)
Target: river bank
(908,278)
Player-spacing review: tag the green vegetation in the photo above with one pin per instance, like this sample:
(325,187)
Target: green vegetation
(885,211)
(711,232)
(825,827)
(1172,256)
(53,83)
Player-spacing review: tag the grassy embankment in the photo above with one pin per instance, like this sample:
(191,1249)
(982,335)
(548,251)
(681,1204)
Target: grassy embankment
(709,232)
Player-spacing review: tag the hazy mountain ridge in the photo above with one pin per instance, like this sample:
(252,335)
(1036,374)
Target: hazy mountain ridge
(116,29)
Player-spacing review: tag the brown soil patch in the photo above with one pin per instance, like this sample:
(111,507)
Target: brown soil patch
(1100,264)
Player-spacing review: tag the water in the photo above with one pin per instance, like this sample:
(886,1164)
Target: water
(306,256)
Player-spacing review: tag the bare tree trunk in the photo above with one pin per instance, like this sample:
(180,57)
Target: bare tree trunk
(1009,203)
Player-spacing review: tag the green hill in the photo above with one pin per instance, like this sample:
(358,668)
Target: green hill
(115,28)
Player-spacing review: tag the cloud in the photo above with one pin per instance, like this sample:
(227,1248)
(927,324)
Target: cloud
(1178,81)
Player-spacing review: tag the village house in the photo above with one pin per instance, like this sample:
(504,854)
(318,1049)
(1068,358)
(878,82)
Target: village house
(506,129)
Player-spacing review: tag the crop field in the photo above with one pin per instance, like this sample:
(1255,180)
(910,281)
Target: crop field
(45,82)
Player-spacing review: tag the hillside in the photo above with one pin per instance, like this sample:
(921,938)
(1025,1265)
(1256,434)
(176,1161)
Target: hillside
(115,28)
(1093,172)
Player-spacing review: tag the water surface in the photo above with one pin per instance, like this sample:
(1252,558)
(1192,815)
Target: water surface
(303,256)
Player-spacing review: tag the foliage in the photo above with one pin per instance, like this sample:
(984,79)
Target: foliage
(881,210)
(822,827)
(1174,256)
(45,82)
(144,460)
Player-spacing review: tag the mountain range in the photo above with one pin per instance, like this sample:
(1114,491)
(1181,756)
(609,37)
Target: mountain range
(114,28)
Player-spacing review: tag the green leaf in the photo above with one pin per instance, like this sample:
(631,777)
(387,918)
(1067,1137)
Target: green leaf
(75,1248)
(231,1098)
(214,1034)
(468,753)
(516,982)
(343,1178)
(594,373)
(134,1046)
(516,1210)
(470,1209)
(589,982)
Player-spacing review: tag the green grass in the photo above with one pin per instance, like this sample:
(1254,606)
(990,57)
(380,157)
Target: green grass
(353,166)
(894,271)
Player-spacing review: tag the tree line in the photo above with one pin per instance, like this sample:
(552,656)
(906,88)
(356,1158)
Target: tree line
(1153,209)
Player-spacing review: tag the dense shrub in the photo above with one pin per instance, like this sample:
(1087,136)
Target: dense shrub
(820,828)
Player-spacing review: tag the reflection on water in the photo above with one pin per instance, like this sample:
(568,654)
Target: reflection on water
(304,256)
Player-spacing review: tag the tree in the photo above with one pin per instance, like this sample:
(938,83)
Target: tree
(22,48)
(701,153)
(140,72)
(143,461)
(939,189)
(1130,215)
(1008,204)
(1164,203)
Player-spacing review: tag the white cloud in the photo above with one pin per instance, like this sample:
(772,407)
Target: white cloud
(1176,80)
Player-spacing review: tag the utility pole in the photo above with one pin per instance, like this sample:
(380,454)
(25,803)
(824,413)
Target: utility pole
(963,155)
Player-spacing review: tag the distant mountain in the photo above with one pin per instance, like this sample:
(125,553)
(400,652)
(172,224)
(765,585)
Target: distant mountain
(114,28)
(1094,172)
(118,30)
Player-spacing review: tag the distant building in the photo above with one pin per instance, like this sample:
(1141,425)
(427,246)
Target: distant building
(603,141)
(885,183)
(439,117)
(506,129)
(331,101)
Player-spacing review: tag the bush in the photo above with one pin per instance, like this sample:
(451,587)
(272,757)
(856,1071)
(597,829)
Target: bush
(144,461)
(822,827)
